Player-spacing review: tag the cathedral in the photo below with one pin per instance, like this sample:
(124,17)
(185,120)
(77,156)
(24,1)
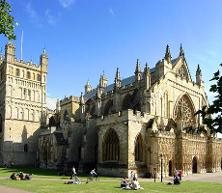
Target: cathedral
(143,123)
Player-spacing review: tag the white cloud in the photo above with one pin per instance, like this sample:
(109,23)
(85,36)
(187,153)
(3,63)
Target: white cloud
(111,12)
(33,15)
(66,3)
(50,18)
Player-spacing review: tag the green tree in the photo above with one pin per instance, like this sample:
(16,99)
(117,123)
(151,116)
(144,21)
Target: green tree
(212,116)
(7,23)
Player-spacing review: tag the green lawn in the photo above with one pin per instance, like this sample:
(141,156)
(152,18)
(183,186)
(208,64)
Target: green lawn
(46,181)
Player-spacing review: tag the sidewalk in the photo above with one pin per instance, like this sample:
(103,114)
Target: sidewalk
(4,189)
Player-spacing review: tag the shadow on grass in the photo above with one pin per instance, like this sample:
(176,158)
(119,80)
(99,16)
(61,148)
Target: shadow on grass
(35,171)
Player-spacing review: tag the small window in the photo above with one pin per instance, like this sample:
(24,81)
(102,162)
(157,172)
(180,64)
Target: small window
(38,77)
(33,76)
(26,148)
(28,75)
(17,72)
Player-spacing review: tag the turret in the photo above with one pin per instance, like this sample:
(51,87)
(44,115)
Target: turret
(88,87)
(103,81)
(117,82)
(138,73)
(167,56)
(58,108)
(199,80)
(82,106)
(147,77)
(44,61)
(10,52)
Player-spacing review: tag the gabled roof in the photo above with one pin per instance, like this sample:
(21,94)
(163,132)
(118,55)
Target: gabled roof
(177,64)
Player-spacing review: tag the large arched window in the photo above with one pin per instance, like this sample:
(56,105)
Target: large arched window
(132,101)
(110,147)
(108,108)
(126,102)
(139,148)
(184,112)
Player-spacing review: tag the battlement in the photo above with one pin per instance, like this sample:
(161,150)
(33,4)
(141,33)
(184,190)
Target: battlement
(29,64)
(125,115)
(69,99)
(166,134)
(199,137)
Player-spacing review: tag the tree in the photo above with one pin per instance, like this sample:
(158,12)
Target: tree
(212,116)
(7,23)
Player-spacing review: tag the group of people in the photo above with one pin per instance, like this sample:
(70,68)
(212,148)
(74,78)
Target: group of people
(75,180)
(20,176)
(130,183)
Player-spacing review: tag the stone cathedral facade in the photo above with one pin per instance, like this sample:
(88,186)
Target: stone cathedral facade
(143,123)
(22,105)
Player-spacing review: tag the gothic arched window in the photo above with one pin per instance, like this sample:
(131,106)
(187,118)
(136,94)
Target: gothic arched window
(111,150)
(108,108)
(184,112)
(139,148)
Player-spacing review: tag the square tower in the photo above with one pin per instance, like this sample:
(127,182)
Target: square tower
(22,106)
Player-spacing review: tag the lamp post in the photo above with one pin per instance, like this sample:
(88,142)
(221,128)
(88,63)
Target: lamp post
(161,167)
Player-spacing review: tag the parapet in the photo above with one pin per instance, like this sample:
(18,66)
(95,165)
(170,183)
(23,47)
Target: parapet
(69,100)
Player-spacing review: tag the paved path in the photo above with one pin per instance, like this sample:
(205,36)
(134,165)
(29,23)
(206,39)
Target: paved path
(4,189)
(208,177)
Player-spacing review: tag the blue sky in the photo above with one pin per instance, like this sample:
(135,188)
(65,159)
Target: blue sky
(85,37)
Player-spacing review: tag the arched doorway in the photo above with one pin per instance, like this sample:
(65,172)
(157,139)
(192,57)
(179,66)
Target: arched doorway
(170,168)
(194,165)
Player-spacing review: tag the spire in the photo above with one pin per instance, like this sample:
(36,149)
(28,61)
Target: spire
(181,51)
(117,82)
(138,69)
(117,74)
(146,69)
(167,54)
(147,77)
(81,99)
(138,73)
(198,71)
(199,80)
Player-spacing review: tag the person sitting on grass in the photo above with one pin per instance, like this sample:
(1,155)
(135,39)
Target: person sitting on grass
(176,180)
(124,182)
(14,176)
(135,184)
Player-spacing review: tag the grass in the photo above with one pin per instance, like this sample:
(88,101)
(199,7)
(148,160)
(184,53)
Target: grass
(46,181)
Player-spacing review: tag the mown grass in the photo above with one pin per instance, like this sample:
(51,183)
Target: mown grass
(46,181)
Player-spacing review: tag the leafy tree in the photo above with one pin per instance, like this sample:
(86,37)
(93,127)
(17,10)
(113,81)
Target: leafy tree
(7,23)
(212,116)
